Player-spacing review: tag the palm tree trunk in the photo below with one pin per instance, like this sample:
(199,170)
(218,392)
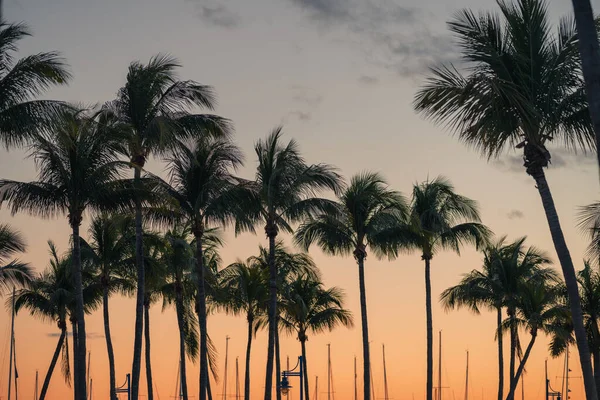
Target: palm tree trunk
(109,346)
(139,301)
(513,347)
(182,329)
(429,328)
(61,339)
(513,386)
(590,61)
(272,313)
(201,301)
(148,359)
(597,369)
(500,354)
(365,329)
(306,385)
(568,269)
(76,387)
(277,362)
(248,350)
(77,275)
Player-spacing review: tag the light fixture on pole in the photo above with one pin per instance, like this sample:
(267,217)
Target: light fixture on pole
(284,384)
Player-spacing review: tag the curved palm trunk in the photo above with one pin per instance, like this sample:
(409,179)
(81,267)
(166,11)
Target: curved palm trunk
(365,329)
(109,346)
(76,387)
(248,350)
(306,385)
(500,354)
(272,315)
(61,339)
(596,356)
(148,359)
(277,362)
(590,60)
(429,328)
(568,270)
(139,300)
(182,328)
(81,347)
(513,386)
(201,301)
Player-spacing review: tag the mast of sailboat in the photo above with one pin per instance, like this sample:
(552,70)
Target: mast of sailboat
(12,343)
(355,383)
(225,377)
(371,373)
(287,369)
(36,385)
(237,378)
(91,382)
(467,379)
(439,393)
(88,373)
(328,371)
(385,385)
(317,387)
(566,396)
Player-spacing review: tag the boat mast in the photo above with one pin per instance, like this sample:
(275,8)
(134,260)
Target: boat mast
(467,379)
(328,371)
(355,383)
(12,343)
(566,396)
(88,373)
(440,370)
(288,368)
(36,385)
(237,379)
(225,377)
(317,387)
(385,385)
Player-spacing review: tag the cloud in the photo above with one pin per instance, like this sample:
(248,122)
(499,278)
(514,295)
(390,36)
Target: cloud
(216,13)
(368,80)
(515,214)
(89,335)
(560,158)
(302,115)
(391,35)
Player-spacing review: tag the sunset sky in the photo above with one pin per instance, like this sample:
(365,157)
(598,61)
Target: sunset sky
(340,76)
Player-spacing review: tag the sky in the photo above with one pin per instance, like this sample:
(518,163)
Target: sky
(340,76)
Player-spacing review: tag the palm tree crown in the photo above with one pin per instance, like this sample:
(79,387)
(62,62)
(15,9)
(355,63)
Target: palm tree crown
(12,272)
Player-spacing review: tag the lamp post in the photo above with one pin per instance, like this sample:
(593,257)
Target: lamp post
(284,384)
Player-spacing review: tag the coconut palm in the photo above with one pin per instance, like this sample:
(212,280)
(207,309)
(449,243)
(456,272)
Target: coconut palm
(284,192)
(77,170)
(12,272)
(203,194)
(308,307)
(360,219)
(589,222)
(539,309)
(506,267)
(154,110)
(111,238)
(523,88)
(21,81)
(246,291)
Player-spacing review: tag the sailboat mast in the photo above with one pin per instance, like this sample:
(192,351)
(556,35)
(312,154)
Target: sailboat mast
(12,343)
(36,385)
(385,385)
(317,387)
(440,370)
(88,372)
(566,396)
(91,382)
(355,383)
(287,369)
(237,378)
(467,379)
(328,371)
(225,377)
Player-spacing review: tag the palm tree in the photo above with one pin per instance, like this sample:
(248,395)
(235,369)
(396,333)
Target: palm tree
(154,110)
(12,272)
(506,267)
(308,307)
(78,170)
(21,81)
(246,288)
(523,89)
(539,309)
(284,192)
(360,218)
(203,193)
(111,237)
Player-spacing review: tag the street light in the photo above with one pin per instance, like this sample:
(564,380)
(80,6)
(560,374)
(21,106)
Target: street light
(284,384)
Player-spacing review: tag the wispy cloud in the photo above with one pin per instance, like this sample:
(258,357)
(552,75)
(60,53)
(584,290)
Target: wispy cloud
(560,158)
(368,80)
(515,214)
(216,13)
(89,335)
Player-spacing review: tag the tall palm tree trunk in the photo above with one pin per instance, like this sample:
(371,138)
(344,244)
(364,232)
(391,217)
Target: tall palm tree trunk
(500,354)
(139,301)
(76,387)
(513,348)
(109,346)
(248,350)
(271,233)
(590,61)
(79,312)
(61,339)
(201,301)
(277,362)
(568,270)
(597,369)
(429,328)
(147,345)
(306,385)
(365,327)
(513,386)
(182,328)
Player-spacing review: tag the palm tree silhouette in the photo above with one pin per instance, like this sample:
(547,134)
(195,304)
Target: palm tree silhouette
(12,272)
(78,170)
(308,307)
(154,112)
(365,211)
(525,90)
(283,193)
